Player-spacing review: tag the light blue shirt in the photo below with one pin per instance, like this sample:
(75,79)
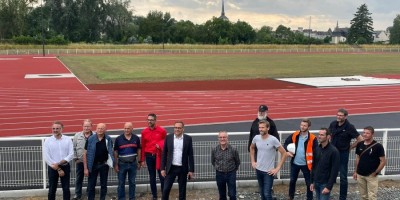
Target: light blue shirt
(300,158)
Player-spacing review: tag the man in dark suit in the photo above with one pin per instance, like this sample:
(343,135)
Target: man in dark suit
(177,161)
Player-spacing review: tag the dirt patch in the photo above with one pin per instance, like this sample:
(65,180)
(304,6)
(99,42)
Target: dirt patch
(252,84)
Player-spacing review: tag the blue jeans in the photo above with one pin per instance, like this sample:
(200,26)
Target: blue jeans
(53,181)
(224,179)
(130,169)
(318,191)
(265,183)
(151,166)
(343,169)
(294,174)
(101,169)
(79,179)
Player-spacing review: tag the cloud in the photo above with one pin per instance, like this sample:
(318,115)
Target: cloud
(290,13)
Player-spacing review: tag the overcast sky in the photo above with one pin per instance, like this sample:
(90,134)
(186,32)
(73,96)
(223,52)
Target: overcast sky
(290,13)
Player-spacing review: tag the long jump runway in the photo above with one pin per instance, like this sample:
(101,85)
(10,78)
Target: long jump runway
(29,109)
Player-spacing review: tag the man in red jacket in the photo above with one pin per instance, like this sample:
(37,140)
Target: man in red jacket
(152,144)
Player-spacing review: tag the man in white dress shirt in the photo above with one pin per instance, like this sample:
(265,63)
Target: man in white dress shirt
(57,153)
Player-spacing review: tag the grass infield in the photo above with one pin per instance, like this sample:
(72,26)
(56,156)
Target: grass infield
(160,68)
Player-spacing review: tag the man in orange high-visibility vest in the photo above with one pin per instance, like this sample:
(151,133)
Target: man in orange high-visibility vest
(305,142)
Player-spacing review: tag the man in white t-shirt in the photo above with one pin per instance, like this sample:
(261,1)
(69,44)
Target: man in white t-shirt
(266,154)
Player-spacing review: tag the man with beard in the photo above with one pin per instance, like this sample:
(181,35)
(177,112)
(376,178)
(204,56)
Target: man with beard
(57,153)
(325,166)
(262,115)
(342,134)
(152,146)
(305,143)
(267,146)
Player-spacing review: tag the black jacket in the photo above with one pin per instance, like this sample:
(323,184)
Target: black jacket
(289,140)
(187,154)
(325,168)
(254,130)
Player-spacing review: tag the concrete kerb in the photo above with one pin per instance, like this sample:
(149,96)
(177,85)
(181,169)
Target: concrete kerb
(190,186)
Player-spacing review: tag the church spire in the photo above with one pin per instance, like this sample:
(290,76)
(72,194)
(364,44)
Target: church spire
(223,12)
(223,9)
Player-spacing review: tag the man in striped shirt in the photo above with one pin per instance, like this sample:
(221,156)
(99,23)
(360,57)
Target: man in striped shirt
(126,152)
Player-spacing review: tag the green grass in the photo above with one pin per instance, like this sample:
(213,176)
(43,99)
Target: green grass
(158,68)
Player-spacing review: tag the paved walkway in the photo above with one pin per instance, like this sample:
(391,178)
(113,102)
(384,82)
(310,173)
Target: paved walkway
(388,190)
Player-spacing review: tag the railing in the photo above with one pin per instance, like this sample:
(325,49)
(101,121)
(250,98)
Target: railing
(22,165)
(196,51)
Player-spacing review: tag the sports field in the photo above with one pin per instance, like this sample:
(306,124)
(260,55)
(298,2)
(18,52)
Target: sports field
(167,67)
(30,105)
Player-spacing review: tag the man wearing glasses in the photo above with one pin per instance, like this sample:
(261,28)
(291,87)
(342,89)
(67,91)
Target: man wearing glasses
(152,146)
(177,161)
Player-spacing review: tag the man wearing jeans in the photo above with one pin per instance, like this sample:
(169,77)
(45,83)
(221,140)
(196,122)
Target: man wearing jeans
(305,143)
(79,142)
(98,149)
(226,161)
(57,153)
(267,146)
(342,134)
(325,166)
(126,152)
(152,146)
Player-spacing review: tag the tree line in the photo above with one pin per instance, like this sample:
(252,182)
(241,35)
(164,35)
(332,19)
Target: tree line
(112,21)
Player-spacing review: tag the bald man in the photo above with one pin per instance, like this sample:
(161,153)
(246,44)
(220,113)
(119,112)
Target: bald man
(98,149)
(126,152)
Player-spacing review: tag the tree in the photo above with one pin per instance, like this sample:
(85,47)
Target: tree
(394,37)
(243,33)
(264,35)
(157,25)
(361,30)
(284,35)
(13,17)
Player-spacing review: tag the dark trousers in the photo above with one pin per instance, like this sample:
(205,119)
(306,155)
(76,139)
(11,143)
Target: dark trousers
(265,183)
(344,164)
(79,179)
(53,182)
(174,172)
(226,179)
(97,169)
(294,174)
(151,166)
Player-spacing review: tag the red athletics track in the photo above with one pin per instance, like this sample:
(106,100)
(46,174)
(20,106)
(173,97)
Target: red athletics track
(14,68)
(30,111)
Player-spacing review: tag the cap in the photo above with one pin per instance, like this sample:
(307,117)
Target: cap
(262,108)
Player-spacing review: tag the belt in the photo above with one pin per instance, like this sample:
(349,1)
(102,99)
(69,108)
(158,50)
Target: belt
(150,154)
(100,163)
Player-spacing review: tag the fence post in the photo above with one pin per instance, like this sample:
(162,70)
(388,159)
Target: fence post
(384,144)
(44,167)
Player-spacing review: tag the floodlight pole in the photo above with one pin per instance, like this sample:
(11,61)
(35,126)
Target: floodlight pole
(43,51)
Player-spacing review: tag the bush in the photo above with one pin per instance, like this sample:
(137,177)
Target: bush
(23,39)
(57,40)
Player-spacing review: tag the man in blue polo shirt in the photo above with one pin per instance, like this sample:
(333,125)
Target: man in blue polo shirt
(126,151)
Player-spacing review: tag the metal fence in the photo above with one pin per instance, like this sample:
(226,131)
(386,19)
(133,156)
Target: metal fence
(22,165)
(196,51)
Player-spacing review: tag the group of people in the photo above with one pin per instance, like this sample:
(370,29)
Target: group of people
(94,153)
(320,158)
